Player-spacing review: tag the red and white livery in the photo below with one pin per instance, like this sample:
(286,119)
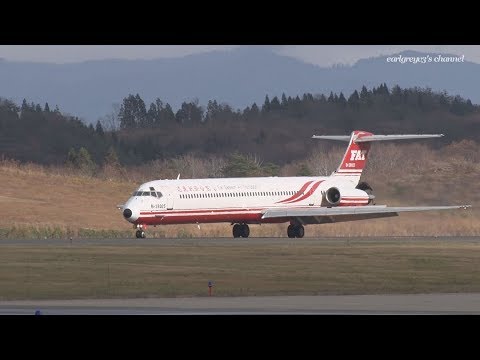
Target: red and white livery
(243,201)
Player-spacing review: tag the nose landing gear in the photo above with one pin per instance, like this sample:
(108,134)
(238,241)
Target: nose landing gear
(140,233)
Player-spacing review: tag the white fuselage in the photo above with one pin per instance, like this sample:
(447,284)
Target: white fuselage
(234,200)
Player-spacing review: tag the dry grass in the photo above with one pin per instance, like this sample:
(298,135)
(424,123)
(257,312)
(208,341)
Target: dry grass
(36,201)
(239,269)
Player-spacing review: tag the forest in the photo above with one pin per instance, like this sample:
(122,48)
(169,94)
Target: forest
(257,140)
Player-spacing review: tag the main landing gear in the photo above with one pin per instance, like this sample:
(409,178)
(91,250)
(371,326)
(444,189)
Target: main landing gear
(295,230)
(241,230)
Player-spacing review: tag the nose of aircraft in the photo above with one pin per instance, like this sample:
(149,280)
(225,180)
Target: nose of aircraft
(127,213)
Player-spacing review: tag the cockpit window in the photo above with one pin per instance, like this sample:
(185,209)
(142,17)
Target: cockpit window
(148,193)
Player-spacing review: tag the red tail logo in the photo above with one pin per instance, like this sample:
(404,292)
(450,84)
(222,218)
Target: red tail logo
(356,155)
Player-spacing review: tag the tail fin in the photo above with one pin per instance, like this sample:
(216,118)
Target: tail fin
(355,158)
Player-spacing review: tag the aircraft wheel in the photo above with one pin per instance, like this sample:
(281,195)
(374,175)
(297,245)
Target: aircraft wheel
(245,230)
(237,230)
(291,231)
(138,234)
(299,231)
(142,235)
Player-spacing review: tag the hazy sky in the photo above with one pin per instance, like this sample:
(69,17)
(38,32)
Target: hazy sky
(322,55)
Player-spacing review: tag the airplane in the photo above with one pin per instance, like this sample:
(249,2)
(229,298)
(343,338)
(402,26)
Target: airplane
(299,200)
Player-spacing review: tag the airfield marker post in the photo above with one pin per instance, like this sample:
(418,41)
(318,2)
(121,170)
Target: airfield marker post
(210,288)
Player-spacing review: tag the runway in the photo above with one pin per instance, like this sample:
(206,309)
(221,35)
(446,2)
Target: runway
(235,242)
(418,304)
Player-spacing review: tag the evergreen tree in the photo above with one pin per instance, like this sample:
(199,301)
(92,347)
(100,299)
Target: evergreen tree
(275,104)
(84,162)
(331,98)
(364,94)
(47,108)
(153,115)
(99,129)
(354,99)
(71,158)
(167,114)
(341,100)
(111,158)
(25,106)
(266,105)
(254,111)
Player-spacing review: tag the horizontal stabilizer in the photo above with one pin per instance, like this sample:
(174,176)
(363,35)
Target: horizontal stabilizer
(369,138)
(351,210)
(333,137)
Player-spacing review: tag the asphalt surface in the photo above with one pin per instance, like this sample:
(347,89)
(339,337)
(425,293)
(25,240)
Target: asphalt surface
(418,304)
(235,242)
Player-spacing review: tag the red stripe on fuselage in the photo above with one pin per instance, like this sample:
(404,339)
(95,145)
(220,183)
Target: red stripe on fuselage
(297,194)
(309,193)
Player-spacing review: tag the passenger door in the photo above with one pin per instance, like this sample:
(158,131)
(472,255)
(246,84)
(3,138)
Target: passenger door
(170,199)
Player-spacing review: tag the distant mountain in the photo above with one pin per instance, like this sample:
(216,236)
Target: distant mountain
(238,77)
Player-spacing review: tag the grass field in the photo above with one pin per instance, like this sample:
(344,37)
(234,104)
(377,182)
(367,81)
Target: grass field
(42,203)
(239,269)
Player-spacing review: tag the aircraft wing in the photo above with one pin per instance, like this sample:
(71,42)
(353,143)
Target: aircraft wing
(348,213)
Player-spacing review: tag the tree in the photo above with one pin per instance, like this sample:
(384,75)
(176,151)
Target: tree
(331,98)
(153,115)
(354,99)
(266,104)
(80,160)
(71,158)
(47,108)
(167,114)
(364,94)
(25,106)
(239,165)
(304,170)
(254,111)
(133,112)
(84,162)
(111,158)
(275,104)
(341,100)
(99,129)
